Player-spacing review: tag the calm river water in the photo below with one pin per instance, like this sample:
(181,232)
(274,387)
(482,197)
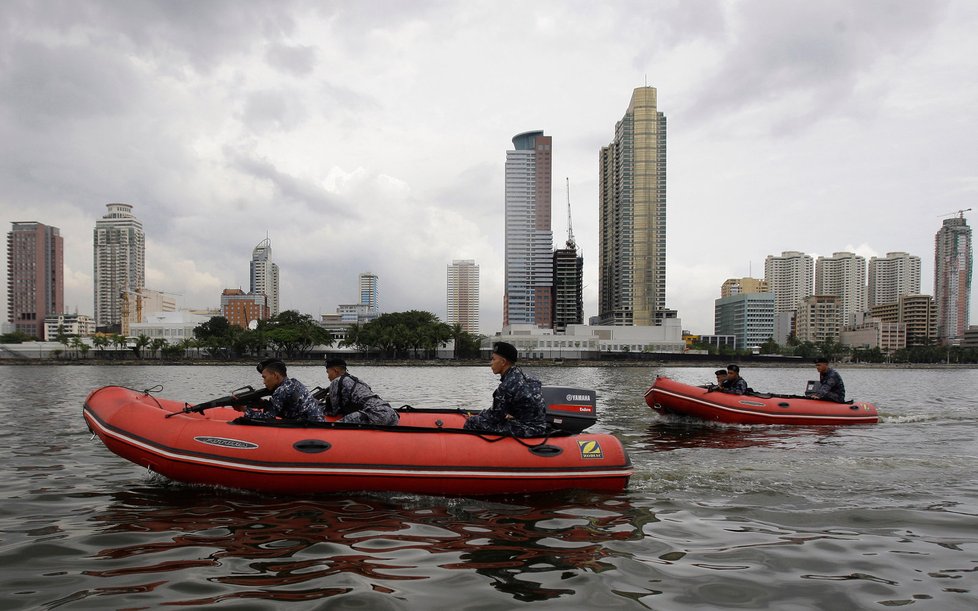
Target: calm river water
(715,517)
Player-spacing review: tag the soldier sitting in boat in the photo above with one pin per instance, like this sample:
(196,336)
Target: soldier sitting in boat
(829,386)
(289,400)
(734,384)
(518,408)
(353,399)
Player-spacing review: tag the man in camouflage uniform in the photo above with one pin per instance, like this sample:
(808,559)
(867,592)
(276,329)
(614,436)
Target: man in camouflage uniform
(354,399)
(518,408)
(289,400)
(734,384)
(830,386)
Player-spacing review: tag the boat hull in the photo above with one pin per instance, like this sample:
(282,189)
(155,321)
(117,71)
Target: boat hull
(426,454)
(671,397)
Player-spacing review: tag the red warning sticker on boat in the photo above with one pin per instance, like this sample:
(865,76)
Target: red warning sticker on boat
(590,448)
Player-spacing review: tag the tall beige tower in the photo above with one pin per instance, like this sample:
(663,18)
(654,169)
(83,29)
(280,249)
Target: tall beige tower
(120,262)
(632,217)
(463,295)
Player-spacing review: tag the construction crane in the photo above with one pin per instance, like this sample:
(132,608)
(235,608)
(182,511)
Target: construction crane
(571,244)
(960,213)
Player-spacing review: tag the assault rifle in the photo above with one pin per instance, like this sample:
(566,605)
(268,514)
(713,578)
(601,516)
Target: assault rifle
(246,395)
(319,393)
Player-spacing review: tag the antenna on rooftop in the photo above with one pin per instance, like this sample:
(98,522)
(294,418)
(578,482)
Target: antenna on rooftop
(570,229)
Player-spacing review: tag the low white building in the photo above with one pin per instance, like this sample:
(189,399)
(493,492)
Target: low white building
(81,325)
(590,341)
(174,327)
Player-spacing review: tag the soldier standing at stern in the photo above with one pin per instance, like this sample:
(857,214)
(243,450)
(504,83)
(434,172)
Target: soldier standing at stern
(518,408)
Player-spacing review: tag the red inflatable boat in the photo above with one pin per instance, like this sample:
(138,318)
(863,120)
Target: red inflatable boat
(707,403)
(427,453)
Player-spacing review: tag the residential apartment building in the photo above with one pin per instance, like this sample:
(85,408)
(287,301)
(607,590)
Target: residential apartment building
(889,277)
(632,217)
(738,286)
(789,276)
(463,295)
(528,291)
(817,319)
(35,276)
(953,261)
(843,275)
(918,313)
(119,245)
(749,317)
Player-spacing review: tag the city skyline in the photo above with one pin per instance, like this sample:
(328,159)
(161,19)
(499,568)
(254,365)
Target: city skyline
(224,126)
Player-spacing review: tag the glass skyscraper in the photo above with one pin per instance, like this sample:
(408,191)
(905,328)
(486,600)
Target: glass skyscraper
(528,296)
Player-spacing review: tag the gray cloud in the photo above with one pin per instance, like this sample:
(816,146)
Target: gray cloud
(295,60)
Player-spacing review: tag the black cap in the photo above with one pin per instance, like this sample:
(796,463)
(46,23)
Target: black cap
(507,351)
(335,361)
(822,359)
(261,366)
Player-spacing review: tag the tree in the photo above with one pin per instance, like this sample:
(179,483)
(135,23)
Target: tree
(17,337)
(63,338)
(100,342)
(402,334)
(141,342)
(770,347)
(157,345)
(293,333)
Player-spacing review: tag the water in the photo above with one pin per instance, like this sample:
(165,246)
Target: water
(714,517)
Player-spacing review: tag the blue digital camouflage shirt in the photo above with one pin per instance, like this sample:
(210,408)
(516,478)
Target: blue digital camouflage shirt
(519,396)
(737,387)
(291,401)
(358,403)
(830,387)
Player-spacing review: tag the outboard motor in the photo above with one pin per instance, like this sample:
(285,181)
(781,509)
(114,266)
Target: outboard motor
(570,409)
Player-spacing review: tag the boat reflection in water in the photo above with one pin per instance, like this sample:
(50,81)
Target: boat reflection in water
(213,547)
(677,432)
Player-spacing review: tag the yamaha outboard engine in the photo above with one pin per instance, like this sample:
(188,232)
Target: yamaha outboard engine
(570,409)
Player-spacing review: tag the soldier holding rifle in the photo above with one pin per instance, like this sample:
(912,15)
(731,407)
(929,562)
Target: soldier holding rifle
(289,400)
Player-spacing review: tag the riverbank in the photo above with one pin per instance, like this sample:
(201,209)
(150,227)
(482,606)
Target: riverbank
(528,364)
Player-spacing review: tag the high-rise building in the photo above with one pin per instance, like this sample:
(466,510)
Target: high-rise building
(818,319)
(632,217)
(463,295)
(789,277)
(528,296)
(368,291)
(120,262)
(739,286)
(953,260)
(35,276)
(843,275)
(264,275)
(747,316)
(896,274)
(568,287)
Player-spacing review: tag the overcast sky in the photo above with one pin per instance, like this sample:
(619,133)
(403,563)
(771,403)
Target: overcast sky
(372,136)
